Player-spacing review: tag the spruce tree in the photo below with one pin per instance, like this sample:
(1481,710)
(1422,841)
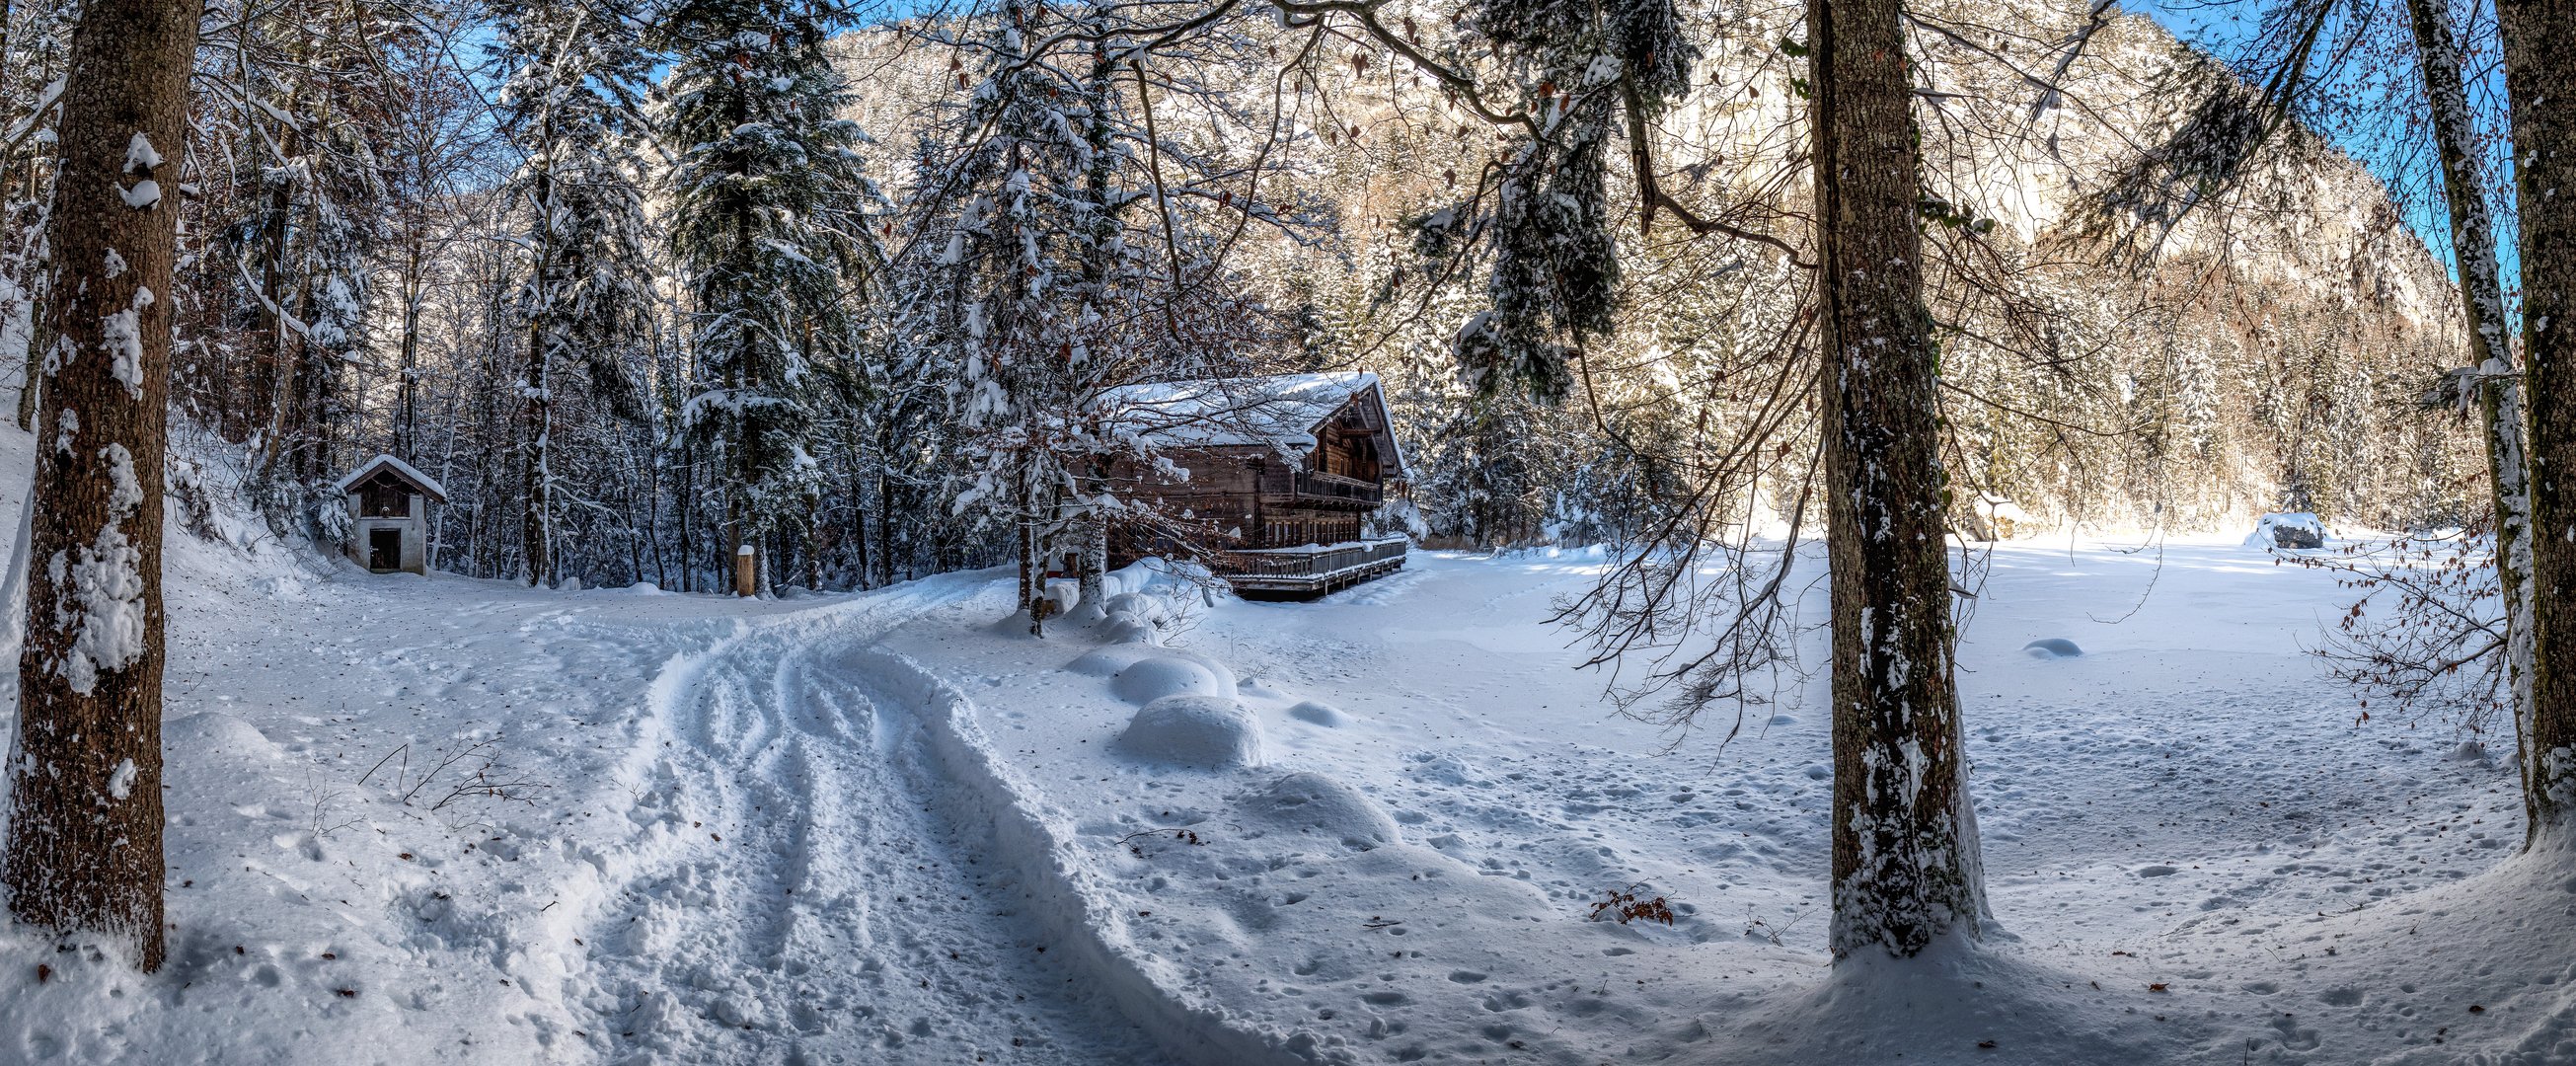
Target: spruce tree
(768,229)
(576,78)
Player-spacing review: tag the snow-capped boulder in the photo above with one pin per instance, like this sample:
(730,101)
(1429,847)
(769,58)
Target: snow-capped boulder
(2288,529)
(2052,648)
(1209,732)
(1322,714)
(1315,805)
(1147,680)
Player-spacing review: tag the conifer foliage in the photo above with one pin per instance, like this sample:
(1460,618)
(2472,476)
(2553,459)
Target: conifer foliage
(769,204)
(576,79)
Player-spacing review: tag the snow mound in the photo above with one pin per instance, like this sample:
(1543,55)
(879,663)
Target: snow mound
(216,733)
(2289,529)
(1152,679)
(1142,606)
(1105,662)
(1322,714)
(1211,732)
(1316,805)
(2052,648)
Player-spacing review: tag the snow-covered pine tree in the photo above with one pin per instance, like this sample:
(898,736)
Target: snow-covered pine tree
(576,76)
(1037,280)
(767,227)
(1073,264)
(289,190)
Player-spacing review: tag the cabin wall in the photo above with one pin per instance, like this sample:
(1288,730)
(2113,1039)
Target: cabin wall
(414,530)
(1236,498)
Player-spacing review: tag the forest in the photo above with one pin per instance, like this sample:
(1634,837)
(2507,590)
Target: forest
(1752,366)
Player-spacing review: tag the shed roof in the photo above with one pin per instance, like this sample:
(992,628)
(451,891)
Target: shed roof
(427,485)
(1281,411)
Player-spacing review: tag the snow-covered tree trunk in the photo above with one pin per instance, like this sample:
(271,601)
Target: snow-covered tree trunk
(84,847)
(1904,845)
(1095,565)
(538,413)
(2490,354)
(2539,40)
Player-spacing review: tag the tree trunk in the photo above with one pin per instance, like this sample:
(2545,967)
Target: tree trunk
(2539,37)
(407,399)
(1904,839)
(1095,565)
(534,477)
(538,388)
(2490,356)
(885,511)
(84,848)
(30,389)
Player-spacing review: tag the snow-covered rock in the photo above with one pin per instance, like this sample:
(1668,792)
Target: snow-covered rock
(2288,529)
(1209,732)
(2052,648)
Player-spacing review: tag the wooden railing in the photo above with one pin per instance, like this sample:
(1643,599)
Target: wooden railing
(1312,568)
(1319,484)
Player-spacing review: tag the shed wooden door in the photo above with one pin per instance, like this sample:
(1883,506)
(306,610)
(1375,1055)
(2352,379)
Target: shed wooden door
(384,549)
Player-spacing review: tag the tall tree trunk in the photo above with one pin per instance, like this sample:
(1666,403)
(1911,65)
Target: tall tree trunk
(2539,39)
(2473,244)
(538,387)
(84,848)
(31,387)
(535,479)
(1904,839)
(885,506)
(407,396)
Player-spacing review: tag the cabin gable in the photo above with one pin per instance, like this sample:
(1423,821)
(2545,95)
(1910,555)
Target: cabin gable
(1305,470)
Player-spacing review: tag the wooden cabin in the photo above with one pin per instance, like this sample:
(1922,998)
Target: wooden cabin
(389,504)
(1268,480)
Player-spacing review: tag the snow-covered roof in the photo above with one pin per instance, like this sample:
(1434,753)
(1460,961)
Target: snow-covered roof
(428,485)
(1282,411)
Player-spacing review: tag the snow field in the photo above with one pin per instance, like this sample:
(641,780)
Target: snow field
(886,829)
(2194,853)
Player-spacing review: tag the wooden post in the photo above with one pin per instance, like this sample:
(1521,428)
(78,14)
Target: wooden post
(746,570)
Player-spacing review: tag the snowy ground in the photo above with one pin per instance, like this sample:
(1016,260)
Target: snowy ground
(886,829)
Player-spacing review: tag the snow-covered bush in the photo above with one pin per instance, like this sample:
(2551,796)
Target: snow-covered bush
(1209,732)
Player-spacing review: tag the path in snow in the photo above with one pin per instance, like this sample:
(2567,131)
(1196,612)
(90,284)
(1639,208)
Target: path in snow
(844,912)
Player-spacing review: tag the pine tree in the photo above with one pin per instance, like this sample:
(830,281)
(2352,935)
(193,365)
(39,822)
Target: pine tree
(1032,262)
(767,226)
(576,77)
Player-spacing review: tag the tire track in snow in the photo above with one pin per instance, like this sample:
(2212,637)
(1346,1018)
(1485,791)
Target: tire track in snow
(802,895)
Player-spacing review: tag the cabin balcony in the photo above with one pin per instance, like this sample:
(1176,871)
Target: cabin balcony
(1298,573)
(1311,486)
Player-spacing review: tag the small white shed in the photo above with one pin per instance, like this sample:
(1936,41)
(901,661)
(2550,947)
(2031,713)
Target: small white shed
(389,514)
